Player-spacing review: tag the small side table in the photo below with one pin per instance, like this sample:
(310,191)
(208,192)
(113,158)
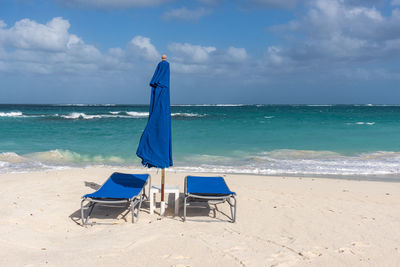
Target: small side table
(174,189)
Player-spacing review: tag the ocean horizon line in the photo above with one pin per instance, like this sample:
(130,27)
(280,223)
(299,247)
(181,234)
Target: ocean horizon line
(203,104)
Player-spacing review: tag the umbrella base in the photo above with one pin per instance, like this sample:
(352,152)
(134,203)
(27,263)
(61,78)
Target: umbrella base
(162,208)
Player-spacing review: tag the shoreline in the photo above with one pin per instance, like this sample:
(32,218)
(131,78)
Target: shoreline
(280,222)
(376,178)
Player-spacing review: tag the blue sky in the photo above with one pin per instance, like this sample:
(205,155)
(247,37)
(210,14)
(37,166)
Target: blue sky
(254,51)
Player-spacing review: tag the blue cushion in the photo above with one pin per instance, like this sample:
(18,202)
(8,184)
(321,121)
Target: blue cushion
(207,186)
(121,186)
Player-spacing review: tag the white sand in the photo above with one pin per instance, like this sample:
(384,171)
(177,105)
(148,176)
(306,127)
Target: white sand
(280,222)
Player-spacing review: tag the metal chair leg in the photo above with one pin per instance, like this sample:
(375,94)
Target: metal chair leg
(184,209)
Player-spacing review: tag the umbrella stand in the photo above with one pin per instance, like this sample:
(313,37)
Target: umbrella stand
(155,143)
(162,205)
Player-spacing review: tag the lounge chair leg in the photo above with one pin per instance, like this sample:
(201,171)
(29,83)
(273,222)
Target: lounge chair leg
(233,210)
(231,207)
(90,212)
(184,209)
(140,206)
(82,213)
(90,207)
(133,211)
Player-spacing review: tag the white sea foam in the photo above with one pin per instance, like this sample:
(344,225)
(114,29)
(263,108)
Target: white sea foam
(208,105)
(59,156)
(4,164)
(11,114)
(137,114)
(11,162)
(146,114)
(187,115)
(112,114)
(11,157)
(269,117)
(78,115)
(361,123)
(298,162)
(276,162)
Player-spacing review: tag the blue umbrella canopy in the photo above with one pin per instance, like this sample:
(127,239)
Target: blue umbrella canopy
(155,148)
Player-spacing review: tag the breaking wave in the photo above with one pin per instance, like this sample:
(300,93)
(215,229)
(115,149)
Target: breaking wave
(276,162)
(77,115)
(84,116)
(299,162)
(55,159)
(11,114)
(360,123)
(123,114)
(209,105)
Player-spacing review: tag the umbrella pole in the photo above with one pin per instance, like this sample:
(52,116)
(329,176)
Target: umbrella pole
(162,207)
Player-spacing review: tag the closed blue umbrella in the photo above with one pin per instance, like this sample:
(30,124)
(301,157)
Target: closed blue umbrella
(155,148)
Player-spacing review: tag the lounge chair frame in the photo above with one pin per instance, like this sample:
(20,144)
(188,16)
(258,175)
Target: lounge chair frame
(130,203)
(191,198)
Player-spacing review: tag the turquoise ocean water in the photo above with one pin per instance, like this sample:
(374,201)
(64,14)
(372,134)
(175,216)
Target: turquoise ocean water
(361,140)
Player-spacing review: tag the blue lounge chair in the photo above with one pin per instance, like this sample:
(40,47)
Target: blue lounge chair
(204,189)
(120,188)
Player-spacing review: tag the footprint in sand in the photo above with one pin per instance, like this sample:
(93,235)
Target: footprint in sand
(311,254)
(346,250)
(359,244)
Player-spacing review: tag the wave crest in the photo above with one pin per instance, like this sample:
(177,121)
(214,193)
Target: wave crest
(59,156)
(78,115)
(11,114)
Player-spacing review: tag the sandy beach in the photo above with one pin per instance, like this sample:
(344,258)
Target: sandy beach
(281,221)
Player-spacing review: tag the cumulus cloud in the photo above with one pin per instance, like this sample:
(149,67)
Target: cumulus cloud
(142,47)
(50,48)
(207,60)
(191,53)
(28,34)
(237,54)
(332,31)
(395,2)
(184,13)
(111,3)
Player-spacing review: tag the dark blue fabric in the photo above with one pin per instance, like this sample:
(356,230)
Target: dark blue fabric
(155,143)
(121,186)
(207,185)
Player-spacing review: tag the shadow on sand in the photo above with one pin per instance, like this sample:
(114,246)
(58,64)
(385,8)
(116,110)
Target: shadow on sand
(104,215)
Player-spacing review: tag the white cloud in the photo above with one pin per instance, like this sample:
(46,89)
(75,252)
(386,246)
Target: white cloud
(184,13)
(111,3)
(191,53)
(237,54)
(142,47)
(332,31)
(274,55)
(28,34)
(50,48)
(208,60)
